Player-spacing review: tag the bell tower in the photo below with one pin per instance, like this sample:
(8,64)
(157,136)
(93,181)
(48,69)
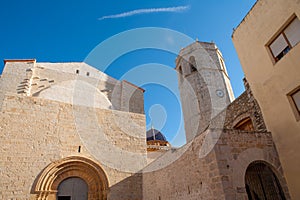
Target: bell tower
(204,86)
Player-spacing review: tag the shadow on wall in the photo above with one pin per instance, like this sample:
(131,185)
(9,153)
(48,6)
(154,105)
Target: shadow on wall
(129,188)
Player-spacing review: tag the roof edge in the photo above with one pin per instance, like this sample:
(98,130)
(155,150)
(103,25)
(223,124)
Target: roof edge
(18,60)
(134,85)
(195,42)
(234,29)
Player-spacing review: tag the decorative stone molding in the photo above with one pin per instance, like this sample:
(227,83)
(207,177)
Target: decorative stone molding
(48,181)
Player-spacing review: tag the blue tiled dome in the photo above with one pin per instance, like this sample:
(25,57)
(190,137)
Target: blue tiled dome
(154,134)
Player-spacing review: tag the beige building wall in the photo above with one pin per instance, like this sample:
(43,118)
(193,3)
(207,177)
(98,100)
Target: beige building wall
(271,81)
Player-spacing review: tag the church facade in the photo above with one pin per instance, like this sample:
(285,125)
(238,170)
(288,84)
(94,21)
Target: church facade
(59,121)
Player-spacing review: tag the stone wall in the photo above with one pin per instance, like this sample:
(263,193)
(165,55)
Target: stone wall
(180,174)
(245,106)
(73,83)
(36,132)
(212,166)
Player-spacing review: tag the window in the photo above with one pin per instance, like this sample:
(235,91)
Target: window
(222,64)
(294,97)
(286,40)
(88,74)
(77,71)
(180,69)
(192,63)
(245,125)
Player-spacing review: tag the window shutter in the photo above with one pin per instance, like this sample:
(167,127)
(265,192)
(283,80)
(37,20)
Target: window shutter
(278,45)
(292,32)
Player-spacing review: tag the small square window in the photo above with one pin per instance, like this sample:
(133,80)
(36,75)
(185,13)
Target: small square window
(88,74)
(295,102)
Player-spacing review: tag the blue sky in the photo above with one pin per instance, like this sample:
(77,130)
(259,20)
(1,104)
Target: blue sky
(64,31)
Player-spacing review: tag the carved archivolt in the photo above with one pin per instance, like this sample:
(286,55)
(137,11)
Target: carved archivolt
(47,183)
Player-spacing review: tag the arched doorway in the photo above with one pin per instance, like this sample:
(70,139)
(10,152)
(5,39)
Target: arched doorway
(60,175)
(73,188)
(262,183)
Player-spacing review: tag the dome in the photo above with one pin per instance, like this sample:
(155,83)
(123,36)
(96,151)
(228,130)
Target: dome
(154,134)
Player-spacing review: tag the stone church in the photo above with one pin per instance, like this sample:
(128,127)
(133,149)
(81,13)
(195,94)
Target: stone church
(69,131)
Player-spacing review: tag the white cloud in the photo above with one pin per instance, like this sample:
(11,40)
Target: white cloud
(147,10)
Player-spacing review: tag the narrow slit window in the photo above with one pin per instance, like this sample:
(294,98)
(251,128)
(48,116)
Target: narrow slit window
(192,63)
(180,69)
(77,71)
